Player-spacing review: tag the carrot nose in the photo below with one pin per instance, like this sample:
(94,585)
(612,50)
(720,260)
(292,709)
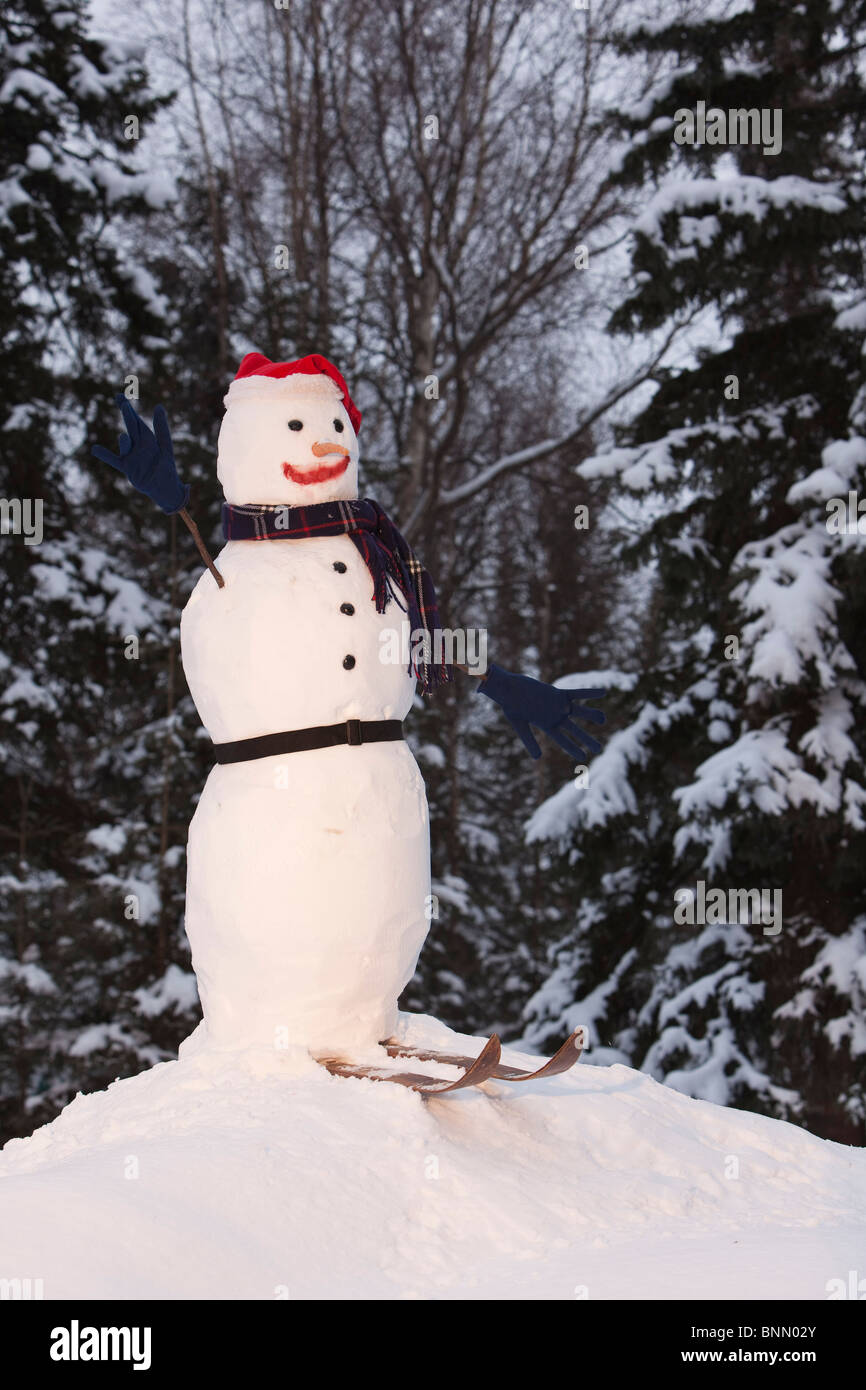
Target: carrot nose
(321,449)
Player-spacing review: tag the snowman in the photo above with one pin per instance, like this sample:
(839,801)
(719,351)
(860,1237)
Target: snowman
(308,878)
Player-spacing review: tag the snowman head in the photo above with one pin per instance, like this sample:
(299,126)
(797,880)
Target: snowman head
(289,434)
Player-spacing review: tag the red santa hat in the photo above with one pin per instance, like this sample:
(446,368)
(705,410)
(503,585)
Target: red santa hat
(314,375)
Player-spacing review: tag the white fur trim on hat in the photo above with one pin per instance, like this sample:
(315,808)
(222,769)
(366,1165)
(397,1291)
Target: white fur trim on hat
(271,388)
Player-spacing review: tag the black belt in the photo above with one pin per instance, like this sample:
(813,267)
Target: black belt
(351,731)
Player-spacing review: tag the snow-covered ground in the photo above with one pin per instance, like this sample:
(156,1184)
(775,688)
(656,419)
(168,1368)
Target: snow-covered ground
(261,1177)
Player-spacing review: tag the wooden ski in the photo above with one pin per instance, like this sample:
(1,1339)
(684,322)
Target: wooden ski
(562,1060)
(477,1069)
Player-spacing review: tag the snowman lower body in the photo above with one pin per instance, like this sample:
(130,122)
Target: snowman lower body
(308,882)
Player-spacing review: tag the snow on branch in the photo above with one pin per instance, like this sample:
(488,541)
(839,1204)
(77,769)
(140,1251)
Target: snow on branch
(743,196)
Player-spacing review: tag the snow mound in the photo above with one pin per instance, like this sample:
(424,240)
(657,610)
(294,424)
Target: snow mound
(227,1176)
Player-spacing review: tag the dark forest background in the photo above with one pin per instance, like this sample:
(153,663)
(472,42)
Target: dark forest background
(541,303)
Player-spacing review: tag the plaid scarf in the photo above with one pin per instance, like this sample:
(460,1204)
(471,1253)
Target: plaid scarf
(390,559)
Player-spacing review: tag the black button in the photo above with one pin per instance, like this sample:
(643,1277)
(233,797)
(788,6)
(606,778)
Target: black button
(348,608)
(339,567)
(348,662)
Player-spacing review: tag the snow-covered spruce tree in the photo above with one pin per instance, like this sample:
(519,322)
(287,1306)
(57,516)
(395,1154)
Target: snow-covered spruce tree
(741,766)
(73,304)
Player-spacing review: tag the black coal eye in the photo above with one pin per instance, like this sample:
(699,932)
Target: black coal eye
(338,426)
(296,424)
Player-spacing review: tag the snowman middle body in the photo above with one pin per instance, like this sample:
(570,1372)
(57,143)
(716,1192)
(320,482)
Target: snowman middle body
(308,873)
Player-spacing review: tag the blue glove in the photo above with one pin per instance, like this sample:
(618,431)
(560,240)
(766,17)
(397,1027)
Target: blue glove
(147,458)
(525,701)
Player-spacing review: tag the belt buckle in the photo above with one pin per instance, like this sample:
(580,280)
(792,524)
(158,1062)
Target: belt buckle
(353,733)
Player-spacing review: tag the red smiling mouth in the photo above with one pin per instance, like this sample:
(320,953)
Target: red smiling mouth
(322,474)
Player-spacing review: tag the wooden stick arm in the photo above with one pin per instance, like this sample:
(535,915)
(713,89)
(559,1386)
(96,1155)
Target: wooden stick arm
(478,675)
(201,547)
